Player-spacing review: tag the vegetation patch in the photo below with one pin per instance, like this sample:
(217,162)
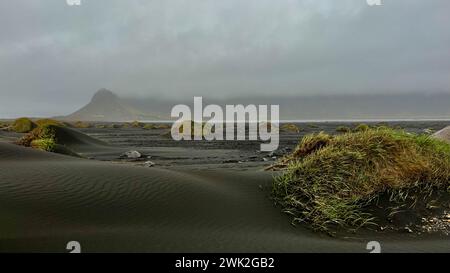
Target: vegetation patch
(43,122)
(45,144)
(290,128)
(339,181)
(81,125)
(361,127)
(136,124)
(162,126)
(343,129)
(156,126)
(149,126)
(313,126)
(115,126)
(44,138)
(23,125)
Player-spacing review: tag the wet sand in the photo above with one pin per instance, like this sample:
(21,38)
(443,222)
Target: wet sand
(188,202)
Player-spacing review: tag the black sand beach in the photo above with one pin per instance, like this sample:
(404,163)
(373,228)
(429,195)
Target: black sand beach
(190,201)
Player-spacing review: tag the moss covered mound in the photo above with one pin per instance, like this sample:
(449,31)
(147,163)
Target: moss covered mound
(134,124)
(335,181)
(81,125)
(361,127)
(156,126)
(149,126)
(23,125)
(42,137)
(343,129)
(43,122)
(289,127)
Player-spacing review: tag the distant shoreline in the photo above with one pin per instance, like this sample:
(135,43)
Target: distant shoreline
(281,121)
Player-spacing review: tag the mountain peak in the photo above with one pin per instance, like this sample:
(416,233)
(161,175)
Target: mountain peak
(104,95)
(107,106)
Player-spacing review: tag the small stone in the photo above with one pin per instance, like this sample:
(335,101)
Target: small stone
(408,230)
(131,154)
(149,164)
(265,159)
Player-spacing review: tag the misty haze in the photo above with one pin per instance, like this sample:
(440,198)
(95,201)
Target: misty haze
(55,57)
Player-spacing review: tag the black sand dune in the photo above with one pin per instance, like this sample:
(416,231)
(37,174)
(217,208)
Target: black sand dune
(48,199)
(76,140)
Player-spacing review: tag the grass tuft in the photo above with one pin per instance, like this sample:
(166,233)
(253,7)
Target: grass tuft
(43,122)
(23,125)
(289,127)
(361,127)
(44,138)
(332,181)
(81,125)
(343,129)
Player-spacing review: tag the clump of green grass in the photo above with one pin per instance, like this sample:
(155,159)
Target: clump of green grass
(333,181)
(289,127)
(23,125)
(343,129)
(81,125)
(115,126)
(361,127)
(162,126)
(156,126)
(136,124)
(149,126)
(44,138)
(45,144)
(313,126)
(43,122)
(41,136)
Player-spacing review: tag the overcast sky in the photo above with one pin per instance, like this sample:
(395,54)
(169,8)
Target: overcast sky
(53,56)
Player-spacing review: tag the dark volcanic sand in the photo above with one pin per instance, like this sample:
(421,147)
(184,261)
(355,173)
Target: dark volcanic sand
(189,202)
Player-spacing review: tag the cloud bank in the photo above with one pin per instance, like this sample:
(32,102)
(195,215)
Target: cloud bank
(54,56)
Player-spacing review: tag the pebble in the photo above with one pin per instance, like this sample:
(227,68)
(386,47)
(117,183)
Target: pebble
(408,230)
(131,154)
(149,164)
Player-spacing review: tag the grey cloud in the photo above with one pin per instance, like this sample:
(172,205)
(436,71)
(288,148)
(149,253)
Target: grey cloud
(53,57)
